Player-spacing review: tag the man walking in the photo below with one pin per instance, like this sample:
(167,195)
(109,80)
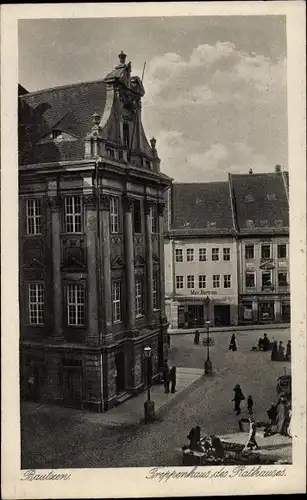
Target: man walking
(250,404)
(238,398)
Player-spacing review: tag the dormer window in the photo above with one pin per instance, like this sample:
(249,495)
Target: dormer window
(147,164)
(56,135)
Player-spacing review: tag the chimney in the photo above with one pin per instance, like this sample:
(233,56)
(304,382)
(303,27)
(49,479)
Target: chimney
(250,171)
(277,169)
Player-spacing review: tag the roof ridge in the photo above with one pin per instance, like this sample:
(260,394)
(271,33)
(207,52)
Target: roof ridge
(51,89)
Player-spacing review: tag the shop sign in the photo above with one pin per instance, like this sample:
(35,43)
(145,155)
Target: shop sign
(203,292)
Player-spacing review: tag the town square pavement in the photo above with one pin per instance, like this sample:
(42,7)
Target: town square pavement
(65,438)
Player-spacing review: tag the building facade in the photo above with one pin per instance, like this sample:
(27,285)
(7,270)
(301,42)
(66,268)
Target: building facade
(91,243)
(227,251)
(261,205)
(201,257)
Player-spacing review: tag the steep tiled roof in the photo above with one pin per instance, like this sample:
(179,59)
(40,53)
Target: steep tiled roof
(260,202)
(69,109)
(202,206)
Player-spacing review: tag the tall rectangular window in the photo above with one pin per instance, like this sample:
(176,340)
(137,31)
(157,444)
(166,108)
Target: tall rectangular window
(216,281)
(179,281)
(126,134)
(190,254)
(202,254)
(75,304)
(139,308)
(249,252)
(265,251)
(215,253)
(137,216)
(73,214)
(266,279)
(282,251)
(117,301)
(155,291)
(36,303)
(190,281)
(227,280)
(226,253)
(250,280)
(154,218)
(34,216)
(282,279)
(179,254)
(202,281)
(114,214)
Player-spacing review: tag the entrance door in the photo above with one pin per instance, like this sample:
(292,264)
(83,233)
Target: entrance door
(72,387)
(285,312)
(222,315)
(120,369)
(195,316)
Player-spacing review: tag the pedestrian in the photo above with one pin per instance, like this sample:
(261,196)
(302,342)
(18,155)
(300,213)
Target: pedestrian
(265,342)
(274,353)
(271,413)
(168,340)
(281,415)
(288,351)
(281,351)
(260,344)
(172,377)
(252,443)
(166,380)
(238,397)
(250,404)
(196,337)
(233,343)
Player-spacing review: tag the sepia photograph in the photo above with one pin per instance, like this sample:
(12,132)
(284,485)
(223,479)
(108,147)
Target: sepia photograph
(155,280)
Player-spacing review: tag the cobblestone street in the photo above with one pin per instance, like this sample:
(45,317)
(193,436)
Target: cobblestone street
(70,438)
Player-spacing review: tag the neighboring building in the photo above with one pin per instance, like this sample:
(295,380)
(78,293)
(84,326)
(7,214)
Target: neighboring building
(201,256)
(91,243)
(261,208)
(227,251)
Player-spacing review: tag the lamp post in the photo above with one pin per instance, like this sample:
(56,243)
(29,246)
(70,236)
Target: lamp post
(149,406)
(208,364)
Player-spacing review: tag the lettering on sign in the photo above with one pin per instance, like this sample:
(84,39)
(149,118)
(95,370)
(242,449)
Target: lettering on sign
(203,292)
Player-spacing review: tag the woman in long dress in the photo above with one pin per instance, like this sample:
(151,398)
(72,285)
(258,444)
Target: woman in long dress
(233,343)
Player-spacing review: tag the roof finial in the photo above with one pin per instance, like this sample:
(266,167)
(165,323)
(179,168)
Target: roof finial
(250,171)
(122,57)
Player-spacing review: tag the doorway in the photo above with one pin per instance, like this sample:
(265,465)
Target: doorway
(120,372)
(222,315)
(285,312)
(72,387)
(195,316)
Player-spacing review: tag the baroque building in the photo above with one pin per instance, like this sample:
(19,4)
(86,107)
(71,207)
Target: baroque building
(91,208)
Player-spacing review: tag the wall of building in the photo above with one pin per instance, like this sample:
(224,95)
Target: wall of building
(264,303)
(187,297)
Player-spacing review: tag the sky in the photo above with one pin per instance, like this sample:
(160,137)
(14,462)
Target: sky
(216,95)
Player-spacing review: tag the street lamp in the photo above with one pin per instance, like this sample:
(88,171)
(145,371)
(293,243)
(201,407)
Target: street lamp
(149,406)
(208,364)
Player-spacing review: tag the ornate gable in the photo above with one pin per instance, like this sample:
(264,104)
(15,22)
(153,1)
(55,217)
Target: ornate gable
(139,261)
(33,264)
(117,263)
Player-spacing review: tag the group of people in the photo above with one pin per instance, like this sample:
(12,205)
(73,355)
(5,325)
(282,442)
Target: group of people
(264,343)
(280,417)
(169,378)
(278,351)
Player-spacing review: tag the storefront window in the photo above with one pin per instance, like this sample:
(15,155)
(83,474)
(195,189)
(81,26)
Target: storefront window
(247,312)
(266,310)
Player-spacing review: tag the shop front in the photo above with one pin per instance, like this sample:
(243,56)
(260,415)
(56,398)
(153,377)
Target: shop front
(193,311)
(264,309)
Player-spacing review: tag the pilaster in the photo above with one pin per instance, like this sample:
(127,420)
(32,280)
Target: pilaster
(55,203)
(91,233)
(149,262)
(161,207)
(129,254)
